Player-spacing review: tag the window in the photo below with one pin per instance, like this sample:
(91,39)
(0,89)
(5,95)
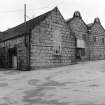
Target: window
(94,38)
(84,36)
(83,52)
(103,40)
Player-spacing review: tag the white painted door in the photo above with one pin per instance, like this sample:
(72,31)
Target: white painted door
(14,62)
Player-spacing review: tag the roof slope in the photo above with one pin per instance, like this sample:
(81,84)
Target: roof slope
(24,27)
(76,23)
(96,27)
(90,25)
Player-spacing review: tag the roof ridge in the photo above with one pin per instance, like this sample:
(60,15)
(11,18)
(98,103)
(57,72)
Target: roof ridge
(25,27)
(28,20)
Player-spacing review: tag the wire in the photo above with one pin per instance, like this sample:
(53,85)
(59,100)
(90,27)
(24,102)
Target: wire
(22,10)
(19,10)
(50,4)
(28,17)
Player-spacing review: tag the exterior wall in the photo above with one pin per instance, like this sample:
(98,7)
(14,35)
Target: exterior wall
(94,49)
(19,44)
(97,42)
(79,30)
(51,43)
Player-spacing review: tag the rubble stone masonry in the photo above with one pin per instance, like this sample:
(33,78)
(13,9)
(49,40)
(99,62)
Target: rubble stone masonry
(96,41)
(79,29)
(17,43)
(51,43)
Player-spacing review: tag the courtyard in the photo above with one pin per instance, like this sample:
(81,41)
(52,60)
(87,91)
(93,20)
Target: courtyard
(79,84)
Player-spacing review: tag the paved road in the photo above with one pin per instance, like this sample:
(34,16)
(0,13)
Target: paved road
(81,84)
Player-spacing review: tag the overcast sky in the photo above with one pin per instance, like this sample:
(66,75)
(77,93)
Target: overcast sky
(12,11)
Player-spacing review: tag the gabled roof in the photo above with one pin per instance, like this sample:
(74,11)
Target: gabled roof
(24,27)
(96,27)
(89,25)
(76,22)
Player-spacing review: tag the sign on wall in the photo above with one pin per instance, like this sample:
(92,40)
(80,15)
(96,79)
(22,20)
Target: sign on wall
(80,43)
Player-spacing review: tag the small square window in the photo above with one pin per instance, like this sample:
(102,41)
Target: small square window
(84,36)
(103,40)
(83,52)
(94,38)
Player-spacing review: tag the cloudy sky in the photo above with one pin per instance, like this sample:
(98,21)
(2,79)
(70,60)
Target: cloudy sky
(12,11)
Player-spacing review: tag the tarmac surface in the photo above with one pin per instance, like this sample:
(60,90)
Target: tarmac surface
(80,84)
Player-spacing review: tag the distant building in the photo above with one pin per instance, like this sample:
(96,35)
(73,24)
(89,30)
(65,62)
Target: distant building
(44,41)
(79,29)
(96,42)
(90,39)
(50,41)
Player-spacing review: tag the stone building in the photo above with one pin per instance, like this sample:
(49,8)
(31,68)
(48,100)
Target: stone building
(79,29)
(90,39)
(96,35)
(44,41)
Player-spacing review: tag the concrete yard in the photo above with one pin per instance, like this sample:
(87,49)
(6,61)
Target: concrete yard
(80,84)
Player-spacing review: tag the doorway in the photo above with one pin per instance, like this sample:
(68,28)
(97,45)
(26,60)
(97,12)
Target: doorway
(80,53)
(12,58)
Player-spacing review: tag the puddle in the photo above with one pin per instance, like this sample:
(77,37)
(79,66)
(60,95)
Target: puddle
(93,85)
(3,84)
(3,79)
(54,83)
(33,82)
(36,97)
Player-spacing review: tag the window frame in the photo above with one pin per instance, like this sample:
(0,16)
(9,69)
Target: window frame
(94,38)
(103,40)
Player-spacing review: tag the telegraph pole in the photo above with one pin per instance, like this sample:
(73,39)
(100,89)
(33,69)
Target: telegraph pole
(27,38)
(24,12)
(25,24)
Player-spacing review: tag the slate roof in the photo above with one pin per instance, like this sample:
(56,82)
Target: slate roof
(89,25)
(78,22)
(24,27)
(96,26)
(1,36)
